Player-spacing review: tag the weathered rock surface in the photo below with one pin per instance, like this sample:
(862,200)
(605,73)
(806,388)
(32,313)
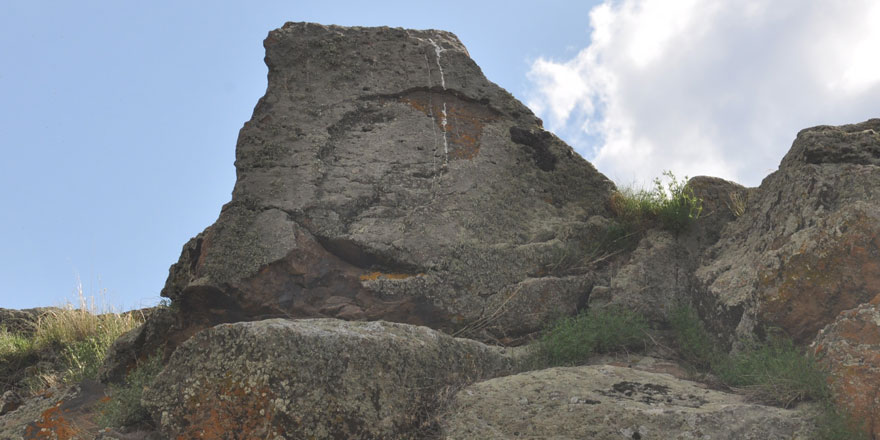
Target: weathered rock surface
(382,176)
(22,321)
(850,349)
(659,273)
(65,413)
(314,378)
(607,402)
(807,245)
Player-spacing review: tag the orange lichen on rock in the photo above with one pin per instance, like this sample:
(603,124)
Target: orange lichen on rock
(231,410)
(813,286)
(850,349)
(51,425)
(372,276)
(461,120)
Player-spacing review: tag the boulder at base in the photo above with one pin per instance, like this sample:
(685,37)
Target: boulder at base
(807,245)
(382,176)
(314,378)
(608,402)
(850,349)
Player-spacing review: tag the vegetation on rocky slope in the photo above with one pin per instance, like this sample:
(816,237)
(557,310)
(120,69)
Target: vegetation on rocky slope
(671,206)
(773,371)
(66,345)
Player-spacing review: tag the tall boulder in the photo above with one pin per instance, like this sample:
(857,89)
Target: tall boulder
(807,244)
(382,176)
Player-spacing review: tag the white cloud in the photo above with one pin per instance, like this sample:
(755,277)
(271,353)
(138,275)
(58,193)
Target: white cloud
(710,87)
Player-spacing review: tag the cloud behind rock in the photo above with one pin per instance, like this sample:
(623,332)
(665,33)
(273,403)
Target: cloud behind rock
(718,87)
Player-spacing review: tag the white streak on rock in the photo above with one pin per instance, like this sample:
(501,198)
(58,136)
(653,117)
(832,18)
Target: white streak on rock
(438,50)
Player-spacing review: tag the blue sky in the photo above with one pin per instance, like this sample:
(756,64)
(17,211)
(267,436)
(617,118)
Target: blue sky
(118,120)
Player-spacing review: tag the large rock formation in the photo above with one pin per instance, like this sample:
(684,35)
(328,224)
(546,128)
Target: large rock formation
(608,402)
(382,176)
(314,378)
(806,246)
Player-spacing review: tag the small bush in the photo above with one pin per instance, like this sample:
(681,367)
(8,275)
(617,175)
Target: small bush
(124,407)
(13,344)
(672,206)
(774,371)
(677,206)
(571,341)
(69,343)
(835,424)
(694,344)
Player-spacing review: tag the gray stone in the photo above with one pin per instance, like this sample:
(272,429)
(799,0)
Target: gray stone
(807,245)
(314,378)
(382,176)
(608,402)
(10,401)
(23,321)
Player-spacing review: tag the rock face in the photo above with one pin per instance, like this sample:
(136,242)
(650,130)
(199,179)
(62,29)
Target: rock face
(607,402)
(807,245)
(314,378)
(658,274)
(382,176)
(850,349)
(23,322)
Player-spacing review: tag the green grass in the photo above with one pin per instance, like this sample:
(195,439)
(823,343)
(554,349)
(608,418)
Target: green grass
(774,372)
(695,346)
(67,346)
(573,340)
(124,407)
(13,344)
(671,206)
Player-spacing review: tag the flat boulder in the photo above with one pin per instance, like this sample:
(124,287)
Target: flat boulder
(314,378)
(806,244)
(610,402)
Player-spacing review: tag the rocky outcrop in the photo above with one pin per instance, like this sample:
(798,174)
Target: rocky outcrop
(806,246)
(658,274)
(314,378)
(22,322)
(850,349)
(62,413)
(608,402)
(382,176)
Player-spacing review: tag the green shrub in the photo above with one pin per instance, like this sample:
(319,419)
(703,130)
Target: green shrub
(13,344)
(69,344)
(571,341)
(124,407)
(695,346)
(835,424)
(774,371)
(677,206)
(672,206)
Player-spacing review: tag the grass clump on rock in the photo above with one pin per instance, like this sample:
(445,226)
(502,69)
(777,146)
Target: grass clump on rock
(672,206)
(124,407)
(773,371)
(573,340)
(67,345)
